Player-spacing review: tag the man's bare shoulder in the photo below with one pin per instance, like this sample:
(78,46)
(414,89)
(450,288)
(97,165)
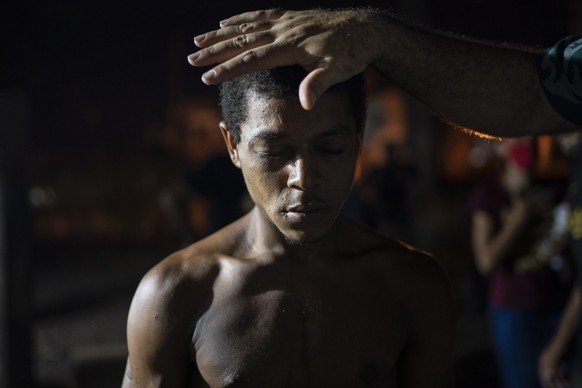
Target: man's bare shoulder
(193,269)
(414,279)
(168,302)
(389,251)
(184,280)
(416,285)
(401,265)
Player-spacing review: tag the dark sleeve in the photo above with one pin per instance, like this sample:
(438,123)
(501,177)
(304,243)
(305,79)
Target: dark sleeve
(560,73)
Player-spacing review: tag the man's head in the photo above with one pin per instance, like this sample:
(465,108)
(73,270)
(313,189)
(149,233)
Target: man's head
(277,83)
(298,165)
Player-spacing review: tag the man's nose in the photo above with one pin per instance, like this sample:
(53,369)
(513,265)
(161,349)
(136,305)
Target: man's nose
(303,174)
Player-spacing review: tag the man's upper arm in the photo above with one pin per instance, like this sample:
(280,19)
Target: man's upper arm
(427,358)
(159,332)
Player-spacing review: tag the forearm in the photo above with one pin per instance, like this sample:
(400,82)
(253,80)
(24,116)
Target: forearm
(491,248)
(568,324)
(490,89)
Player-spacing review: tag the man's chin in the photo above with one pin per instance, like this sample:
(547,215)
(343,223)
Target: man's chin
(302,238)
(304,233)
(300,242)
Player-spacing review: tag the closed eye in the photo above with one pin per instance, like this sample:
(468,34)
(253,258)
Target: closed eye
(331,148)
(333,151)
(268,155)
(270,152)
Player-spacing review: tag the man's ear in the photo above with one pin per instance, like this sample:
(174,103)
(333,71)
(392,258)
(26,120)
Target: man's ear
(230,144)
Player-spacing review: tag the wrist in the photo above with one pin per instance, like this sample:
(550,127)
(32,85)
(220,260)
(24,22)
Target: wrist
(395,46)
(382,33)
(375,31)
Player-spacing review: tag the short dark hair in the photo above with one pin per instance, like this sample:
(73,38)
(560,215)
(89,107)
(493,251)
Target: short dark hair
(276,83)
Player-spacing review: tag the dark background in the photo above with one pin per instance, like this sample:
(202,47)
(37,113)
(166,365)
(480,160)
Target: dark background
(85,88)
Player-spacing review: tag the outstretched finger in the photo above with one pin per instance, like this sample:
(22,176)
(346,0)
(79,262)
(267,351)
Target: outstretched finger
(212,37)
(228,49)
(260,58)
(254,16)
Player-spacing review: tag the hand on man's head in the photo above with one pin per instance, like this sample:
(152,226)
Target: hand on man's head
(328,44)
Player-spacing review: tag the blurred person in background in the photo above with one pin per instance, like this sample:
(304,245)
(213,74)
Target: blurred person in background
(511,221)
(381,194)
(554,364)
(207,191)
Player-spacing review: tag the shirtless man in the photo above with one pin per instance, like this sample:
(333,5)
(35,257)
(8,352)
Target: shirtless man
(292,294)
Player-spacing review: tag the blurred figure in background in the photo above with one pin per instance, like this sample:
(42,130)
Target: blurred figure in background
(511,218)
(380,197)
(208,191)
(553,363)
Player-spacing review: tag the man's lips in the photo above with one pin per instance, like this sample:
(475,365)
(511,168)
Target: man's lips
(301,212)
(308,208)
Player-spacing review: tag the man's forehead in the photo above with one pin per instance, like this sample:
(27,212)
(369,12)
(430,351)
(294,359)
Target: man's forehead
(261,107)
(271,118)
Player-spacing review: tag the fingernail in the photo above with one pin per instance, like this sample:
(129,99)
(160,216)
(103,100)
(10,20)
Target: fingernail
(222,22)
(199,38)
(193,57)
(209,75)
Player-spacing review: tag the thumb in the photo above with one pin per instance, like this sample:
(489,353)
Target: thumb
(315,84)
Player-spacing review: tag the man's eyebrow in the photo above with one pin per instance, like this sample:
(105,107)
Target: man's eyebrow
(340,130)
(268,136)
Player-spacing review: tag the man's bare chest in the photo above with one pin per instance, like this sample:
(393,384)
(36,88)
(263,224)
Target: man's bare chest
(285,337)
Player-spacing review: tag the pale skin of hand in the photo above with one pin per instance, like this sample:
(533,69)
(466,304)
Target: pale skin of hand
(482,87)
